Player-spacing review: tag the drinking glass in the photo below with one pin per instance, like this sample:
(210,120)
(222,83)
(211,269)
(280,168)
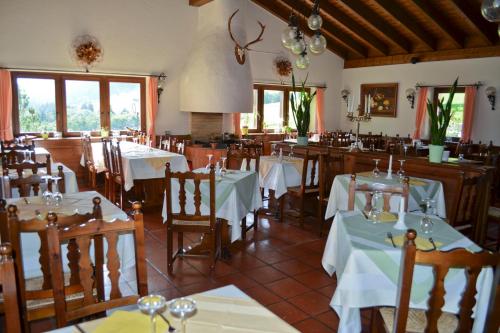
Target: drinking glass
(209,161)
(182,308)
(376,171)
(57,196)
(405,148)
(426,223)
(223,170)
(47,195)
(401,172)
(377,204)
(291,151)
(150,305)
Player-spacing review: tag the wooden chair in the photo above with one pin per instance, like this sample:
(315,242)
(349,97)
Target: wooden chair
(88,158)
(36,294)
(14,152)
(196,222)
(401,318)
(109,189)
(307,189)
(26,182)
(387,191)
(91,276)
(117,176)
(8,285)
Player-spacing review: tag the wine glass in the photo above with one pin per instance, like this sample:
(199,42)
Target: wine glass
(135,139)
(377,204)
(57,196)
(209,161)
(405,148)
(47,194)
(426,224)
(401,172)
(376,170)
(150,305)
(291,150)
(223,170)
(182,308)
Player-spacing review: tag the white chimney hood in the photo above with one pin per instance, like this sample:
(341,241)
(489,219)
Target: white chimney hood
(212,80)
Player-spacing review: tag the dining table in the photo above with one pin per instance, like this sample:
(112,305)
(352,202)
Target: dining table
(81,203)
(367,265)
(140,162)
(420,189)
(225,309)
(237,194)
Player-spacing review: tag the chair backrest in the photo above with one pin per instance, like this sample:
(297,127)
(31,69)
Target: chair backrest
(9,289)
(442,262)
(322,178)
(88,157)
(106,155)
(193,180)
(387,191)
(310,170)
(22,181)
(236,157)
(116,160)
(90,277)
(14,152)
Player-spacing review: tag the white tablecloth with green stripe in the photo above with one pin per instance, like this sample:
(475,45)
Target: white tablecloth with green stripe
(237,194)
(367,268)
(420,190)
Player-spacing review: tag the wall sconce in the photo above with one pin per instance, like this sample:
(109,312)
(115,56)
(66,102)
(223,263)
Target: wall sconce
(410,96)
(161,81)
(491,93)
(345,96)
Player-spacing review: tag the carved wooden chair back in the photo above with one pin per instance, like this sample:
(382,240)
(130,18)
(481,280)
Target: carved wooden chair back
(310,171)
(36,294)
(464,148)
(25,177)
(9,289)
(87,151)
(238,157)
(15,152)
(108,169)
(368,190)
(91,277)
(116,162)
(442,262)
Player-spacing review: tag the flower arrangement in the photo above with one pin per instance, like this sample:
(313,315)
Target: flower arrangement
(301,108)
(283,67)
(87,51)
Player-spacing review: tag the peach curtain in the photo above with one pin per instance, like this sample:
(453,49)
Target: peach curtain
(470,99)
(151,106)
(5,106)
(236,124)
(320,110)
(421,111)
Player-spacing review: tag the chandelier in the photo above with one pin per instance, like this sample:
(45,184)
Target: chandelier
(294,39)
(491,11)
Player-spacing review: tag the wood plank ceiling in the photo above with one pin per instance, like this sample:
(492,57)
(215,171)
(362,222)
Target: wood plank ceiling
(383,32)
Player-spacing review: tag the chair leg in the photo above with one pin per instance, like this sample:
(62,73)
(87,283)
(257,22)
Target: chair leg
(244,229)
(282,207)
(170,247)
(213,248)
(255,221)
(321,220)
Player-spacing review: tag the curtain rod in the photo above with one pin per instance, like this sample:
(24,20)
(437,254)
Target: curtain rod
(276,83)
(44,70)
(476,84)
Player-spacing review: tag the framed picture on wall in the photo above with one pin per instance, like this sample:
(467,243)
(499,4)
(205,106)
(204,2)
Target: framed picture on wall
(383,99)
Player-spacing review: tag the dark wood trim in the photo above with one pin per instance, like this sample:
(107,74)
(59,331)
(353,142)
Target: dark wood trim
(405,19)
(486,29)
(198,3)
(372,18)
(480,52)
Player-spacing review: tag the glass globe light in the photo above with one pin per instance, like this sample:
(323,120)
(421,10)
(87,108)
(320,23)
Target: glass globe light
(303,61)
(298,46)
(491,10)
(317,44)
(314,22)
(288,36)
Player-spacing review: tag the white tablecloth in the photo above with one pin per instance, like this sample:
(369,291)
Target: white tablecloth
(367,269)
(279,175)
(81,203)
(419,190)
(237,194)
(140,161)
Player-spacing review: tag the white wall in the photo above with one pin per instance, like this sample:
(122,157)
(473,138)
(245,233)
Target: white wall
(140,36)
(486,125)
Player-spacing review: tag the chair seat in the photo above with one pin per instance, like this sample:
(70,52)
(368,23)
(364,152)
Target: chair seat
(297,189)
(417,321)
(184,222)
(494,212)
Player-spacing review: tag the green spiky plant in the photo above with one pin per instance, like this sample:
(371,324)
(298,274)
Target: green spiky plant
(441,120)
(301,107)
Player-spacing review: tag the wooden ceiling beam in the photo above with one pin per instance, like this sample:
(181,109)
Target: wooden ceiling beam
(473,14)
(441,21)
(198,3)
(378,23)
(283,12)
(350,24)
(328,27)
(403,17)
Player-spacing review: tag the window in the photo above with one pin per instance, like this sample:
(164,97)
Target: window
(74,103)
(455,127)
(271,109)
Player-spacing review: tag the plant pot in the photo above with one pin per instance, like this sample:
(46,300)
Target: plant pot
(302,140)
(45,135)
(435,153)
(104,133)
(244,130)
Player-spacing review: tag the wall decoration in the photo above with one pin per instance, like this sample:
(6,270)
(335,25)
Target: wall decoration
(383,99)
(87,51)
(240,51)
(283,67)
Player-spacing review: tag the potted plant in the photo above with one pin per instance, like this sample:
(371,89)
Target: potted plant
(301,111)
(104,132)
(440,116)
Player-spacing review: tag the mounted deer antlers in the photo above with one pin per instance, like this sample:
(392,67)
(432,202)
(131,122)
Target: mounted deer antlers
(240,51)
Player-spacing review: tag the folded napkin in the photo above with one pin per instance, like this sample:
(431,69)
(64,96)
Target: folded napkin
(422,243)
(387,217)
(129,322)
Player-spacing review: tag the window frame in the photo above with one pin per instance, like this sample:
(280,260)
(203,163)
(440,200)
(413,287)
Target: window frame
(260,103)
(60,98)
(445,90)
